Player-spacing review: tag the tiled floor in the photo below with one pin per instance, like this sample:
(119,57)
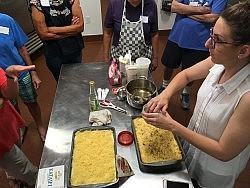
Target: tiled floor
(93,53)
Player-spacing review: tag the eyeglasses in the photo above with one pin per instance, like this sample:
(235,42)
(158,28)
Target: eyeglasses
(215,39)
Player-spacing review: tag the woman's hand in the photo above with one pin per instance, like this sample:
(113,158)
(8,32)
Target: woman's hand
(160,120)
(153,65)
(158,103)
(75,20)
(35,79)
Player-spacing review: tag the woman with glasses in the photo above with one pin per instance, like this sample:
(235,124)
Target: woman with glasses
(216,141)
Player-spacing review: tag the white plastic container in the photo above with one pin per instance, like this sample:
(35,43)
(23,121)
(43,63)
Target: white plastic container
(122,63)
(132,72)
(143,66)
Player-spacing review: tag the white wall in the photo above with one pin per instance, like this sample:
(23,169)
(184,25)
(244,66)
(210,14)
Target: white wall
(93,17)
(165,20)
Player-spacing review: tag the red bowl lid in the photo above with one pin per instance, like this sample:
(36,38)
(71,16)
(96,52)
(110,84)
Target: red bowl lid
(125,138)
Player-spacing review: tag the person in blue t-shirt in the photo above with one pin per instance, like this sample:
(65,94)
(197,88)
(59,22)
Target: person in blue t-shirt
(185,45)
(14,52)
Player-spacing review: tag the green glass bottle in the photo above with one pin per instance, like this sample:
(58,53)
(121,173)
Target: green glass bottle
(93,101)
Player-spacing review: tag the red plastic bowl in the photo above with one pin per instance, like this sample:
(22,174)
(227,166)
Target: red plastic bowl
(125,138)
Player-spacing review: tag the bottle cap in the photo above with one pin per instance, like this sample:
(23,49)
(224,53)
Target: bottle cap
(91,82)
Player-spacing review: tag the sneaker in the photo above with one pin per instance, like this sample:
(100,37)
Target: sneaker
(161,89)
(185,101)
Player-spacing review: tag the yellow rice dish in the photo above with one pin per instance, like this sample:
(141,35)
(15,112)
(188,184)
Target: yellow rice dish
(93,160)
(155,144)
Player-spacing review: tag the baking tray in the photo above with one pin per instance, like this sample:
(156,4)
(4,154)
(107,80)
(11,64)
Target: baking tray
(157,167)
(103,185)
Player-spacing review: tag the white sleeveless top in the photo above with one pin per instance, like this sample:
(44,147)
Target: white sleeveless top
(215,105)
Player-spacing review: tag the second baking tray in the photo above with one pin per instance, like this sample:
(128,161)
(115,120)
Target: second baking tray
(102,185)
(157,167)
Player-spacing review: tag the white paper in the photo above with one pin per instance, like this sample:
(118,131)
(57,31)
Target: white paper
(194,4)
(51,177)
(45,3)
(145,19)
(4,30)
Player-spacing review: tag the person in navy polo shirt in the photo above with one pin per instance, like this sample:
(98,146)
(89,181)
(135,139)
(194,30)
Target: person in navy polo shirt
(133,25)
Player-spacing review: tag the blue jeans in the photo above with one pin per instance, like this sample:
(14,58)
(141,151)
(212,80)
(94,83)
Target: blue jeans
(55,63)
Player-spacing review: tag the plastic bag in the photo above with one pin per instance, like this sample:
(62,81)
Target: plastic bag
(114,77)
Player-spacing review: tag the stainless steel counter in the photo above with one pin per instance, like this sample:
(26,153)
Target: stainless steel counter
(71,111)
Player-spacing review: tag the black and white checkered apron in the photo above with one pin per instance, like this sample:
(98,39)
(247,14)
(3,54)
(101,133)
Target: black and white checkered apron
(131,38)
